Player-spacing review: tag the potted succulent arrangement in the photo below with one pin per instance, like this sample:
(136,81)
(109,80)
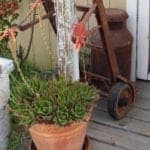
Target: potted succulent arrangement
(56,111)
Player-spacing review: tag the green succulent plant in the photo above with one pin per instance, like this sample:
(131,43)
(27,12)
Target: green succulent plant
(56,101)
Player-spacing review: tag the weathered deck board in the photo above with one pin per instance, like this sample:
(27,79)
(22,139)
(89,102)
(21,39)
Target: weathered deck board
(131,133)
(137,112)
(126,124)
(103,146)
(118,137)
(143,90)
(142,103)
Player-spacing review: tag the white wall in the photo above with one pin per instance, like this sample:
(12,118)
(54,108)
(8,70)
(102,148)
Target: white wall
(143,40)
(132,9)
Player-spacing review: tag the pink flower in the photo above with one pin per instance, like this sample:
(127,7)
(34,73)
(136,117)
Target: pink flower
(36,4)
(10,32)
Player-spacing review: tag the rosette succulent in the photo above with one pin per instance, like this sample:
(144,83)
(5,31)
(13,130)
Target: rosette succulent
(56,101)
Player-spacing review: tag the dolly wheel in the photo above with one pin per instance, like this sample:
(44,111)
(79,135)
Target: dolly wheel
(120,100)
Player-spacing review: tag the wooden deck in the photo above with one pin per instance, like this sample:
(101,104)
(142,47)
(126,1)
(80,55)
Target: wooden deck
(131,133)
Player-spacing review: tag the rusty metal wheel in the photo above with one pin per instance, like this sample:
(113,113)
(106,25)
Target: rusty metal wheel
(120,100)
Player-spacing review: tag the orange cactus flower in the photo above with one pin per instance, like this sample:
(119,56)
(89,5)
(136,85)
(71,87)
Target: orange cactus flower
(80,34)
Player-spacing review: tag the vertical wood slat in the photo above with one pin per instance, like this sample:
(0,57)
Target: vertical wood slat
(117,4)
(107,3)
(132,9)
(40,52)
(143,40)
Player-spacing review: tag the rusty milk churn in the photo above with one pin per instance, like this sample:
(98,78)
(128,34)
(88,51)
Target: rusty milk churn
(121,40)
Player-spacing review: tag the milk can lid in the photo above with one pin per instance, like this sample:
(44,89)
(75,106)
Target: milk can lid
(116,15)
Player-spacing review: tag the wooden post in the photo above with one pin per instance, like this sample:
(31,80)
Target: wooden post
(68,58)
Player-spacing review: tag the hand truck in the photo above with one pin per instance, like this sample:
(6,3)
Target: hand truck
(121,95)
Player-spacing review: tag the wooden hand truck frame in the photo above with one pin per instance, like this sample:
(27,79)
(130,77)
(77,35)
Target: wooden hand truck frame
(122,94)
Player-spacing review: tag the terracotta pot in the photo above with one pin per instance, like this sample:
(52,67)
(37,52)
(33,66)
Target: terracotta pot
(86,145)
(52,137)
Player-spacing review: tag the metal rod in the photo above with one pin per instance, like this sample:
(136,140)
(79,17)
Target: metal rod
(99,48)
(97,76)
(89,13)
(28,25)
(49,6)
(82,8)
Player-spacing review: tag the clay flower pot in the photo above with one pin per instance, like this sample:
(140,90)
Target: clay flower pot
(86,146)
(53,137)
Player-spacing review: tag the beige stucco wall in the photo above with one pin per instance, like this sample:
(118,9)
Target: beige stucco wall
(108,3)
(44,45)
(44,40)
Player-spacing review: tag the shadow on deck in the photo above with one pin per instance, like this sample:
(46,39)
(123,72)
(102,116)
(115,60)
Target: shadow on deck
(131,133)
